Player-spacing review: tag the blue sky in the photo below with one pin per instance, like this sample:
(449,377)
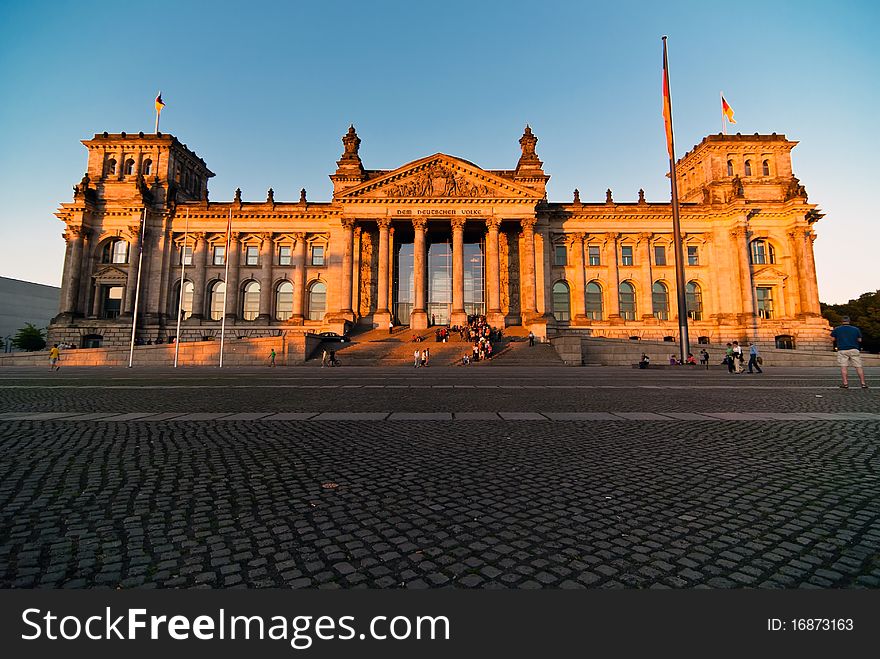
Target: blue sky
(264,91)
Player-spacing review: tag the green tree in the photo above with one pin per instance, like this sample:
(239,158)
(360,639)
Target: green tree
(864,313)
(30,338)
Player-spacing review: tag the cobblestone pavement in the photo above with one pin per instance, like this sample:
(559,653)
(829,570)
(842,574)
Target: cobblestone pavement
(652,493)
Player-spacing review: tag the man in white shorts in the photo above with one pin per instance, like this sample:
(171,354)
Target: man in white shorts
(848,341)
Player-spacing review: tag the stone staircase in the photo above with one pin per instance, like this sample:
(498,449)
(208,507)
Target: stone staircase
(516,352)
(378,348)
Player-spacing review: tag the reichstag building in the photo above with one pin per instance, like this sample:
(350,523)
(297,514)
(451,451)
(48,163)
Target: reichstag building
(432,242)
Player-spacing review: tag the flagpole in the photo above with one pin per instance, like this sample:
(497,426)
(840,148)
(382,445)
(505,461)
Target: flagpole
(225,285)
(182,283)
(137,285)
(723,116)
(684,342)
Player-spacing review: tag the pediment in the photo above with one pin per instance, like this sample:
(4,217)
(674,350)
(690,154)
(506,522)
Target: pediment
(439,177)
(769,273)
(111,275)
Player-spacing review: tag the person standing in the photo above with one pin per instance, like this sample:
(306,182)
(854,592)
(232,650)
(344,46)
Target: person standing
(738,357)
(54,356)
(728,357)
(324,357)
(272,358)
(391,327)
(704,358)
(417,358)
(848,342)
(754,359)
(531,338)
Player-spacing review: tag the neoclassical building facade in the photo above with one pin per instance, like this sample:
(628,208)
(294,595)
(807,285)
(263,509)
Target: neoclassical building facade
(433,242)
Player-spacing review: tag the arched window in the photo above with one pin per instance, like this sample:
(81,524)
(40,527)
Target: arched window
(694,297)
(186,304)
(748,168)
(561,303)
(111,167)
(762,252)
(129,167)
(317,300)
(250,301)
(594,301)
(115,251)
(284,301)
(730,168)
(660,300)
(627,300)
(147,167)
(765,168)
(217,300)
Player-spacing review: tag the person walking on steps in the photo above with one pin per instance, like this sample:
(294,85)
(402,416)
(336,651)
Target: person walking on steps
(54,356)
(848,343)
(754,359)
(272,358)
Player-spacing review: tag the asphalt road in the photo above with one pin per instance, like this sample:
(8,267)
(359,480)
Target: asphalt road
(486,477)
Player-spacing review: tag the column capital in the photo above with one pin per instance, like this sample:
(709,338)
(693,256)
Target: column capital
(493,223)
(347,223)
(419,223)
(612,236)
(574,238)
(133,231)
(528,224)
(645,235)
(737,232)
(235,236)
(265,237)
(197,236)
(384,222)
(458,223)
(300,236)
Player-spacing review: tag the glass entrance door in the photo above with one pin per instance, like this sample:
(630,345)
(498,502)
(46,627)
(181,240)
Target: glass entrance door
(439,282)
(474,279)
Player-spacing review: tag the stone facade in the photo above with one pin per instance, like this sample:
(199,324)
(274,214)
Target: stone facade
(436,240)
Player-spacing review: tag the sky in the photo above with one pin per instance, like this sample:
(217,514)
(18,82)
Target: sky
(264,91)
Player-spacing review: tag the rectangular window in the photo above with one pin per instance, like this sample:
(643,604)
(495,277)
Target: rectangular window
(560,255)
(252,255)
(284,255)
(593,252)
(219,255)
(186,255)
(318,255)
(659,255)
(765,302)
(693,255)
(626,255)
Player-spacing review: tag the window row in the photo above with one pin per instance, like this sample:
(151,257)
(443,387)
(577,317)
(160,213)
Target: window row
(251,255)
(249,300)
(128,167)
(749,169)
(626,300)
(627,257)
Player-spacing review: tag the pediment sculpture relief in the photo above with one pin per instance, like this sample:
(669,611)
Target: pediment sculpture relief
(436,181)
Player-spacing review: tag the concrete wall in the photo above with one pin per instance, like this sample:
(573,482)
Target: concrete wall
(290,350)
(24,302)
(617,352)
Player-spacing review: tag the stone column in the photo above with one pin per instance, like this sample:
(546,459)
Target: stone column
(611,257)
(267,248)
(578,292)
(458,316)
(529,282)
(391,270)
(810,281)
(356,272)
(740,241)
(644,303)
(87,267)
(299,265)
(345,287)
(75,237)
(167,259)
(96,300)
(199,266)
(418,318)
(493,273)
(234,256)
(134,233)
(384,261)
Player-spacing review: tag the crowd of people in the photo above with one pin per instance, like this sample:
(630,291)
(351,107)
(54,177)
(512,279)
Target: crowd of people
(481,336)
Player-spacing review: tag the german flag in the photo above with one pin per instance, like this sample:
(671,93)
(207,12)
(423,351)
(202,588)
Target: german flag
(159,102)
(727,111)
(667,103)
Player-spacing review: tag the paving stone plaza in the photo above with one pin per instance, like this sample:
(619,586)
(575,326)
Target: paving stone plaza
(471,477)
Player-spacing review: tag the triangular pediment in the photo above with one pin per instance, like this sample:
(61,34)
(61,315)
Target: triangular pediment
(439,177)
(769,273)
(111,275)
